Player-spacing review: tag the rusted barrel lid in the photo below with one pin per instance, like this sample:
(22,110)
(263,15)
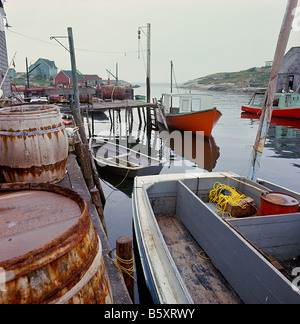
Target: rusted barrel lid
(278,198)
(29,219)
(28,109)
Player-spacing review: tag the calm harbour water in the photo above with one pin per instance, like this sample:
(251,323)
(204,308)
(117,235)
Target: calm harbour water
(228,149)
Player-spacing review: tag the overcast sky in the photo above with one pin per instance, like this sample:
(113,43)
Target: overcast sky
(200,36)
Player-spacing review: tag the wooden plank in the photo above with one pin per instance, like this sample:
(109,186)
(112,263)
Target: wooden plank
(74,180)
(274,187)
(204,283)
(277,235)
(253,278)
(122,104)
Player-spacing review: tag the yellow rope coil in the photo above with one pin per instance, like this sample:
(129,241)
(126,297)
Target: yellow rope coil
(217,196)
(203,257)
(130,271)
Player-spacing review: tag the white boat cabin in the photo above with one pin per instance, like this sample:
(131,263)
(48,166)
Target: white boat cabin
(186,103)
(281,100)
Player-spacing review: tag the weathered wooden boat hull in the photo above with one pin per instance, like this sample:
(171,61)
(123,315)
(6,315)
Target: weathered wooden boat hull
(151,170)
(238,255)
(123,161)
(203,120)
(283,112)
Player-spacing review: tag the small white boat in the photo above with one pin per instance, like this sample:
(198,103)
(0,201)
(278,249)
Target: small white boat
(39,100)
(191,254)
(122,160)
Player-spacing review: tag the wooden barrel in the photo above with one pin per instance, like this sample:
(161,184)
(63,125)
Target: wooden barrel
(49,249)
(33,144)
(113,92)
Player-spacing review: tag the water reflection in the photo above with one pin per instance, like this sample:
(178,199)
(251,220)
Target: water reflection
(201,151)
(283,136)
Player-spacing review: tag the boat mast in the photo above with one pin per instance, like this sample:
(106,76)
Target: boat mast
(171,84)
(270,93)
(148,62)
(171,76)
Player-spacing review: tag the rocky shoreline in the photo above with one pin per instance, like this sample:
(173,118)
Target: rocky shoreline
(227,87)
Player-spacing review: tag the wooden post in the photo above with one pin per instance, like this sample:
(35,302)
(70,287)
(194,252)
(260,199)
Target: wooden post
(144,117)
(124,253)
(139,114)
(267,106)
(98,204)
(93,123)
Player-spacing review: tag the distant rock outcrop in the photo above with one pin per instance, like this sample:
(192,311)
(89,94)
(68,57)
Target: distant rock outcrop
(243,81)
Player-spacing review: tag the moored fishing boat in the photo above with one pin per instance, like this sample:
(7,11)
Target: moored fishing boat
(174,221)
(177,217)
(122,160)
(189,112)
(286,105)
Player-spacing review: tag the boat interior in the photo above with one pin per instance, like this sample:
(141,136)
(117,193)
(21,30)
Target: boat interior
(193,231)
(112,154)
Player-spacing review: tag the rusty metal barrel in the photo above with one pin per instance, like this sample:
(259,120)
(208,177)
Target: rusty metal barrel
(49,250)
(113,92)
(33,144)
(274,203)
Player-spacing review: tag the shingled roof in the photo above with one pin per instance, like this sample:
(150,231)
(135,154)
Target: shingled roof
(69,74)
(50,63)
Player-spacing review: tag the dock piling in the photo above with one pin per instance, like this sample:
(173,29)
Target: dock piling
(125,262)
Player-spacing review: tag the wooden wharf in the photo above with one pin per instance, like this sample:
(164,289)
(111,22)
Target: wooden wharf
(147,112)
(74,180)
(109,105)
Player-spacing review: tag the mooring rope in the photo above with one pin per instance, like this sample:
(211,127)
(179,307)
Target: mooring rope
(130,271)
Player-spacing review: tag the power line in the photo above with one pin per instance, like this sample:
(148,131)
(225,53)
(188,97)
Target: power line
(77,49)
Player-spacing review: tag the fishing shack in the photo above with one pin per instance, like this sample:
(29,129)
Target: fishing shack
(289,74)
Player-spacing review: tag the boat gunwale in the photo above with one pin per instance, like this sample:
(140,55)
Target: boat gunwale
(116,165)
(146,183)
(276,112)
(145,256)
(214,109)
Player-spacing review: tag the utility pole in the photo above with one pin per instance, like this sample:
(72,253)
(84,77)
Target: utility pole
(27,73)
(148,61)
(76,106)
(171,77)
(171,83)
(149,121)
(117,74)
(85,156)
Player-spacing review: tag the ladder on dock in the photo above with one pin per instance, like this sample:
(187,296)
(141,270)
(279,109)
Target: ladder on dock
(158,111)
(153,118)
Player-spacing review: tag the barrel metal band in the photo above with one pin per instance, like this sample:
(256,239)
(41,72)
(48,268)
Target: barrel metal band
(93,269)
(46,131)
